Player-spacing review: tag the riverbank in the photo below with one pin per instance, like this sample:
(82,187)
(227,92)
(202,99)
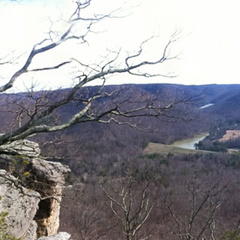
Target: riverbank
(189,143)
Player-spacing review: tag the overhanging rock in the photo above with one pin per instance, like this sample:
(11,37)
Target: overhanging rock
(22,147)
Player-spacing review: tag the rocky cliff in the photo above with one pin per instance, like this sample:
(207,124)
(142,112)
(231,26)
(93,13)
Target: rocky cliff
(30,193)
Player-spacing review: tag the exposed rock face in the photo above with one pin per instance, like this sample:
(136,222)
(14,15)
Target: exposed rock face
(30,191)
(20,206)
(49,182)
(22,147)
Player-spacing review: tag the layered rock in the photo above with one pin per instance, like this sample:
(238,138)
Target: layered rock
(31,187)
(22,147)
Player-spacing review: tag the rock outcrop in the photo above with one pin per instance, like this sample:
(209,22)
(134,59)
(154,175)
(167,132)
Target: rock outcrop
(22,147)
(30,192)
(48,181)
(18,207)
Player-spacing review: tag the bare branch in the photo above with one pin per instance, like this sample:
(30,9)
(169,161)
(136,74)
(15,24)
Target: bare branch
(49,68)
(35,119)
(132,208)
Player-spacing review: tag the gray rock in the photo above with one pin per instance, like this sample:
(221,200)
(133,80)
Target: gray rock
(60,236)
(49,181)
(22,147)
(51,171)
(20,206)
(30,192)
(32,232)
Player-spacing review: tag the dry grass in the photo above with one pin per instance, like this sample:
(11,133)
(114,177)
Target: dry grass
(230,135)
(163,149)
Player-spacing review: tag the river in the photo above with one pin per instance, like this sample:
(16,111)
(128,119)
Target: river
(207,106)
(189,142)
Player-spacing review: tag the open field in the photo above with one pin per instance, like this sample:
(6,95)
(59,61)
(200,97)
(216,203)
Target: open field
(162,149)
(230,135)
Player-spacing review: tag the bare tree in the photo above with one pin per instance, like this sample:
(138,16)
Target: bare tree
(84,217)
(131,206)
(40,114)
(197,220)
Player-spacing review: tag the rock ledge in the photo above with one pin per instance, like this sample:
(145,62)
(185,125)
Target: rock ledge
(30,192)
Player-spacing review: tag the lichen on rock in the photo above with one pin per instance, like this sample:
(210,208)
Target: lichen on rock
(30,192)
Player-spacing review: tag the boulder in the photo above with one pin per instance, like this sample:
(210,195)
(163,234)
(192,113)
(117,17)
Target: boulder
(60,236)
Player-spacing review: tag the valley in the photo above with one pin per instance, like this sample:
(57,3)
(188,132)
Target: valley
(118,154)
(143,159)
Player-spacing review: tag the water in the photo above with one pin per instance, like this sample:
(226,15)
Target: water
(207,105)
(189,142)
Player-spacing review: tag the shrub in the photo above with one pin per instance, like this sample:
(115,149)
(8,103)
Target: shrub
(231,235)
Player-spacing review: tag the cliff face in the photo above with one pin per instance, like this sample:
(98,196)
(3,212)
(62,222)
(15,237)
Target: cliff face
(18,207)
(30,193)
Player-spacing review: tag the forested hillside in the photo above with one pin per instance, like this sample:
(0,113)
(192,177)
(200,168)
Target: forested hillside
(118,190)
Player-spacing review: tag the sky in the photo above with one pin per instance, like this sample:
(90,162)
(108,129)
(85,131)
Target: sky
(207,49)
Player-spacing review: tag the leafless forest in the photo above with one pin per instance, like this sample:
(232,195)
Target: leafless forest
(115,189)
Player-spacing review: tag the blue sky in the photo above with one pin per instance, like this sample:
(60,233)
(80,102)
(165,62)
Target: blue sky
(208,47)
